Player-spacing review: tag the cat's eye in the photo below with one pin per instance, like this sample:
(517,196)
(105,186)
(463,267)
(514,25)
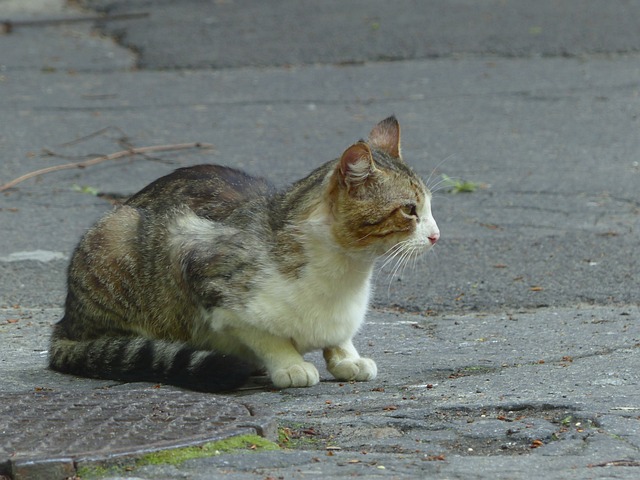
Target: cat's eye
(410,210)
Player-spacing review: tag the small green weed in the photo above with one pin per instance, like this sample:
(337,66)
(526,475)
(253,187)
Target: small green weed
(85,189)
(297,435)
(458,186)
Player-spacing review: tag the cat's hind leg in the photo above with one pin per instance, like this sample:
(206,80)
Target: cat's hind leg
(344,363)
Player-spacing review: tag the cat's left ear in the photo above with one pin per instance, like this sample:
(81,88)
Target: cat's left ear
(385,136)
(356,165)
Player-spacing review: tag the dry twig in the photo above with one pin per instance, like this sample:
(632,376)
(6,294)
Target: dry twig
(102,131)
(103,158)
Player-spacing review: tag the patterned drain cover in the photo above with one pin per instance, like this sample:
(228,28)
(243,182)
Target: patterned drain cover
(46,435)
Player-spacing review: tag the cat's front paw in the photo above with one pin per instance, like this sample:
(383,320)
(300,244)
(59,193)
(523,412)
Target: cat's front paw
(359,369)
(302,374)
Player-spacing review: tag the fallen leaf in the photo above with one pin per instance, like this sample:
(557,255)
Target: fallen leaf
(433,458)
(491,226)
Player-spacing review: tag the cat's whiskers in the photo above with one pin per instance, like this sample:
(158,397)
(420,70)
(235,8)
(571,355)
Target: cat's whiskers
(401,263)
(434,171)
(439,185)
(411,259)
(401,259)
(392,253)
(404,253)
(358,240)
(416,255)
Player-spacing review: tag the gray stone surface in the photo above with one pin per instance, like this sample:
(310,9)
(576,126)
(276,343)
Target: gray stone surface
(521,327)
(452,391)
(193,33)
(559,176)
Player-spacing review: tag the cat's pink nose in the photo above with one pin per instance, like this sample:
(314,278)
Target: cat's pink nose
(433,238)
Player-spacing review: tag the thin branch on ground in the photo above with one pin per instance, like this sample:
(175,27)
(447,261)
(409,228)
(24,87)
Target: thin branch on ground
(97,133)
(104,158)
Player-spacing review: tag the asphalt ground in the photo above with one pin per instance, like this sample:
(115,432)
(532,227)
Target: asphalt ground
(525,314)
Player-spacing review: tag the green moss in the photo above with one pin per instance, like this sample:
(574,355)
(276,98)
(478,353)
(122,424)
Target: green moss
(94,472)
(249,443)
(176,456)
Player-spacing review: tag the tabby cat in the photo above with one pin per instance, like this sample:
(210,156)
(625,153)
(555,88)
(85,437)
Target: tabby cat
(208,273)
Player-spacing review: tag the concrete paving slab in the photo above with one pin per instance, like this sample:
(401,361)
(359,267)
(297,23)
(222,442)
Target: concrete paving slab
(35,37)
(558,385)
(556,222)
(294,32)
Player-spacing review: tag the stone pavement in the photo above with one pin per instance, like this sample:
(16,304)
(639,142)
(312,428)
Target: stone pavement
(511,352)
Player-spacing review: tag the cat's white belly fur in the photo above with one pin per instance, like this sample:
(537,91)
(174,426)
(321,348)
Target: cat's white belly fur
(314,312)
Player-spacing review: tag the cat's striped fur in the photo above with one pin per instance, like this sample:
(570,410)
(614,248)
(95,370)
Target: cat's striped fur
(208,272)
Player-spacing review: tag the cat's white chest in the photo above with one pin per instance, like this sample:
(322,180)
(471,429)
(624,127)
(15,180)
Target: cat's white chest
(317,310)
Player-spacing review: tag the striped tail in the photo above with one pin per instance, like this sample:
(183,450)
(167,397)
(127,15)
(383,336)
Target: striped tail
(146,360)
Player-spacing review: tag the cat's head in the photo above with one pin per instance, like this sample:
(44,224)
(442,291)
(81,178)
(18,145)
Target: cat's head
(379,205)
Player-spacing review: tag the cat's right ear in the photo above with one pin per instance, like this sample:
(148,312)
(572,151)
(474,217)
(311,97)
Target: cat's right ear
(356,165)
(386,136)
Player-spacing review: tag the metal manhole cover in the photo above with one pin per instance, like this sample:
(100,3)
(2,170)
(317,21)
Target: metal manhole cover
(49,434)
